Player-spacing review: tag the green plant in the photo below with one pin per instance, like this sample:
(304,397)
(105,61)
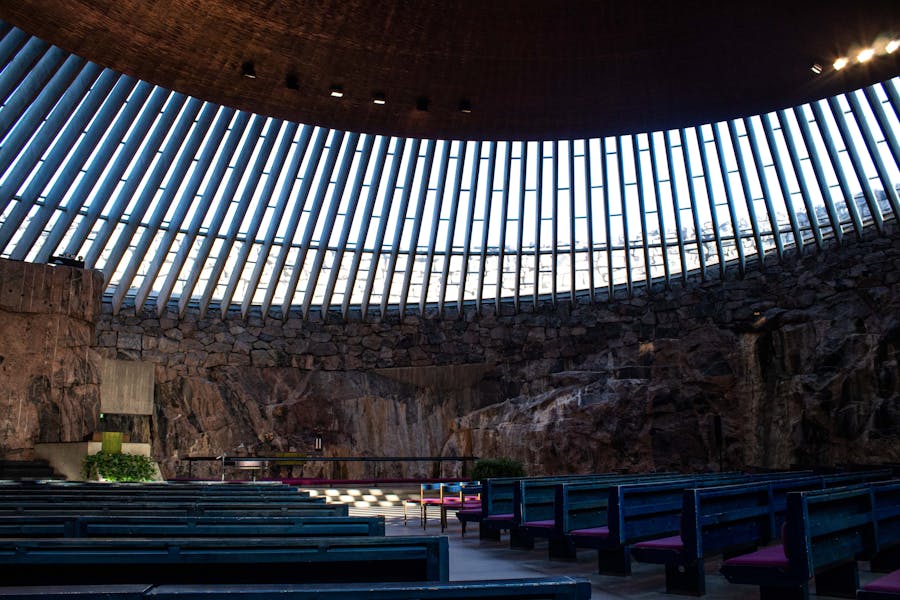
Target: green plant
(118,467)
(485,468)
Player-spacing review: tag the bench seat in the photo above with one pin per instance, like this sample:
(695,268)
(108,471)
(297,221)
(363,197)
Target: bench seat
(547,588)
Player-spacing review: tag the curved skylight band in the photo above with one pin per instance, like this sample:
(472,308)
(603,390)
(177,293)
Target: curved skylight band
(186,205)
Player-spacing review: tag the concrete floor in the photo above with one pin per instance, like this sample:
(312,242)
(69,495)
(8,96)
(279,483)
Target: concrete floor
(471,558)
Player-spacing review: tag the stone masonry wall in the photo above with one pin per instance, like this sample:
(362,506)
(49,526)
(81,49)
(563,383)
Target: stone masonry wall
(49,373)
(799,361)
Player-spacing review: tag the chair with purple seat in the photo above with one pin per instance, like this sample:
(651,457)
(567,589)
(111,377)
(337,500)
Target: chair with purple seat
(826,532)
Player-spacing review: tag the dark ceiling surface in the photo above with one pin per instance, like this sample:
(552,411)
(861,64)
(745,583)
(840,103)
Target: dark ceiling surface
(549,69)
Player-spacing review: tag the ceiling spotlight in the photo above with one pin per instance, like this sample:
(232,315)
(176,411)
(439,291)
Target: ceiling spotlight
(892,46)
(422,104)
(336,91)
(248,71)
(291,81)
(465,106)
(841,63)
(865,55)
(816,68)
(378,98)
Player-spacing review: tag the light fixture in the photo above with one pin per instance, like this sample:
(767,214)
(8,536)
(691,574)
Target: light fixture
(892,46)
(248,70)
(291,81)
(865,55)
(336,91)
(841,63)
(378,98)
(816,68)
(422,103)
(465,106)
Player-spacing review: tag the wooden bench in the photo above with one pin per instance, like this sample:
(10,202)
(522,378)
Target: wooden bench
(548,588)
(93,561)
(826,532)
(180,508)
(181,526)
(730,519)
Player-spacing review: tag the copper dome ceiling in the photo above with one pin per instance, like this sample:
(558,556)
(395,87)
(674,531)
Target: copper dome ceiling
(528,69)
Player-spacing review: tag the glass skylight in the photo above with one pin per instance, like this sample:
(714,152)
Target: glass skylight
(183,202)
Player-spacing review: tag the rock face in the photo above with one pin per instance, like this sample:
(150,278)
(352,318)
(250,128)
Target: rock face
(49,373)
(793,364)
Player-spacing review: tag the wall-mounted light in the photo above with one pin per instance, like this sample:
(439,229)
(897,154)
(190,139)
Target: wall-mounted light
(378,98)
(465,106)
(336,91)
(892,46)
(318,443)
(840,63)
(248,70)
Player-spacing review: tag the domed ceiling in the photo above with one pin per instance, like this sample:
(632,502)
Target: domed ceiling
(518,69)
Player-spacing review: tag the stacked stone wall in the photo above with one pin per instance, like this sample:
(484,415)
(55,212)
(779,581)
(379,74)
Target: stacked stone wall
(798,361)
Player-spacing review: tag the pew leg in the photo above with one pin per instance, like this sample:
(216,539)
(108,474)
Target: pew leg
(520,539)
(841,581)
(614,561)
(561,548)
(800,592)
(486,532)
(689,580)
(886,561)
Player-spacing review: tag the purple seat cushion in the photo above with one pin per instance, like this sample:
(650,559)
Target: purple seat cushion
(667,543)
(771,556)
(889,583)
(430,501)
(591,532)
(503,517)
(548,524)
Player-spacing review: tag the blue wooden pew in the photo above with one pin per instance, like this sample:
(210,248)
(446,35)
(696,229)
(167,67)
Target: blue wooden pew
(108,526)
(92,561)
(547,588)
(826,532)
(198,508)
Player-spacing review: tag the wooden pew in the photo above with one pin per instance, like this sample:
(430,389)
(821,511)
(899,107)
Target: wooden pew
(548,588)
(826,532)
(69,561)
(152,526)
(179,508)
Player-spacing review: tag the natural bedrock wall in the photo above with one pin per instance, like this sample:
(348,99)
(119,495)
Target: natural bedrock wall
(799,360)
(49,373)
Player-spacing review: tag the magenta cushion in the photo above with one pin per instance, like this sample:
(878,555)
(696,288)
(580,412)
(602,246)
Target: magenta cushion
(431,501)
(591,532)
(469,511)
(888,583)
(550,524)
(771,556)
(667,543)
(503,517)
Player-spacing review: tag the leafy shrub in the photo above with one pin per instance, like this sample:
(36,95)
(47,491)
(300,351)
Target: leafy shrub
(118,467)
(485,468)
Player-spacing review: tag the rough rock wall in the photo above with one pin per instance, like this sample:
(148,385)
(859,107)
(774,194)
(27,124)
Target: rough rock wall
(49,373)
(798,362)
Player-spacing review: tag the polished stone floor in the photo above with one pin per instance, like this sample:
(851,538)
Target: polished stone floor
(471,558)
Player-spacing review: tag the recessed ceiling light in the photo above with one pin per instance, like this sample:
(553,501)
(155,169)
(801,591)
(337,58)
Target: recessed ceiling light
(378,98)
(248,70)
(892,46)
(422,103)
(465,106)
(865,55)
(291,81)
(841,63)
(816,68)
(336,91)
